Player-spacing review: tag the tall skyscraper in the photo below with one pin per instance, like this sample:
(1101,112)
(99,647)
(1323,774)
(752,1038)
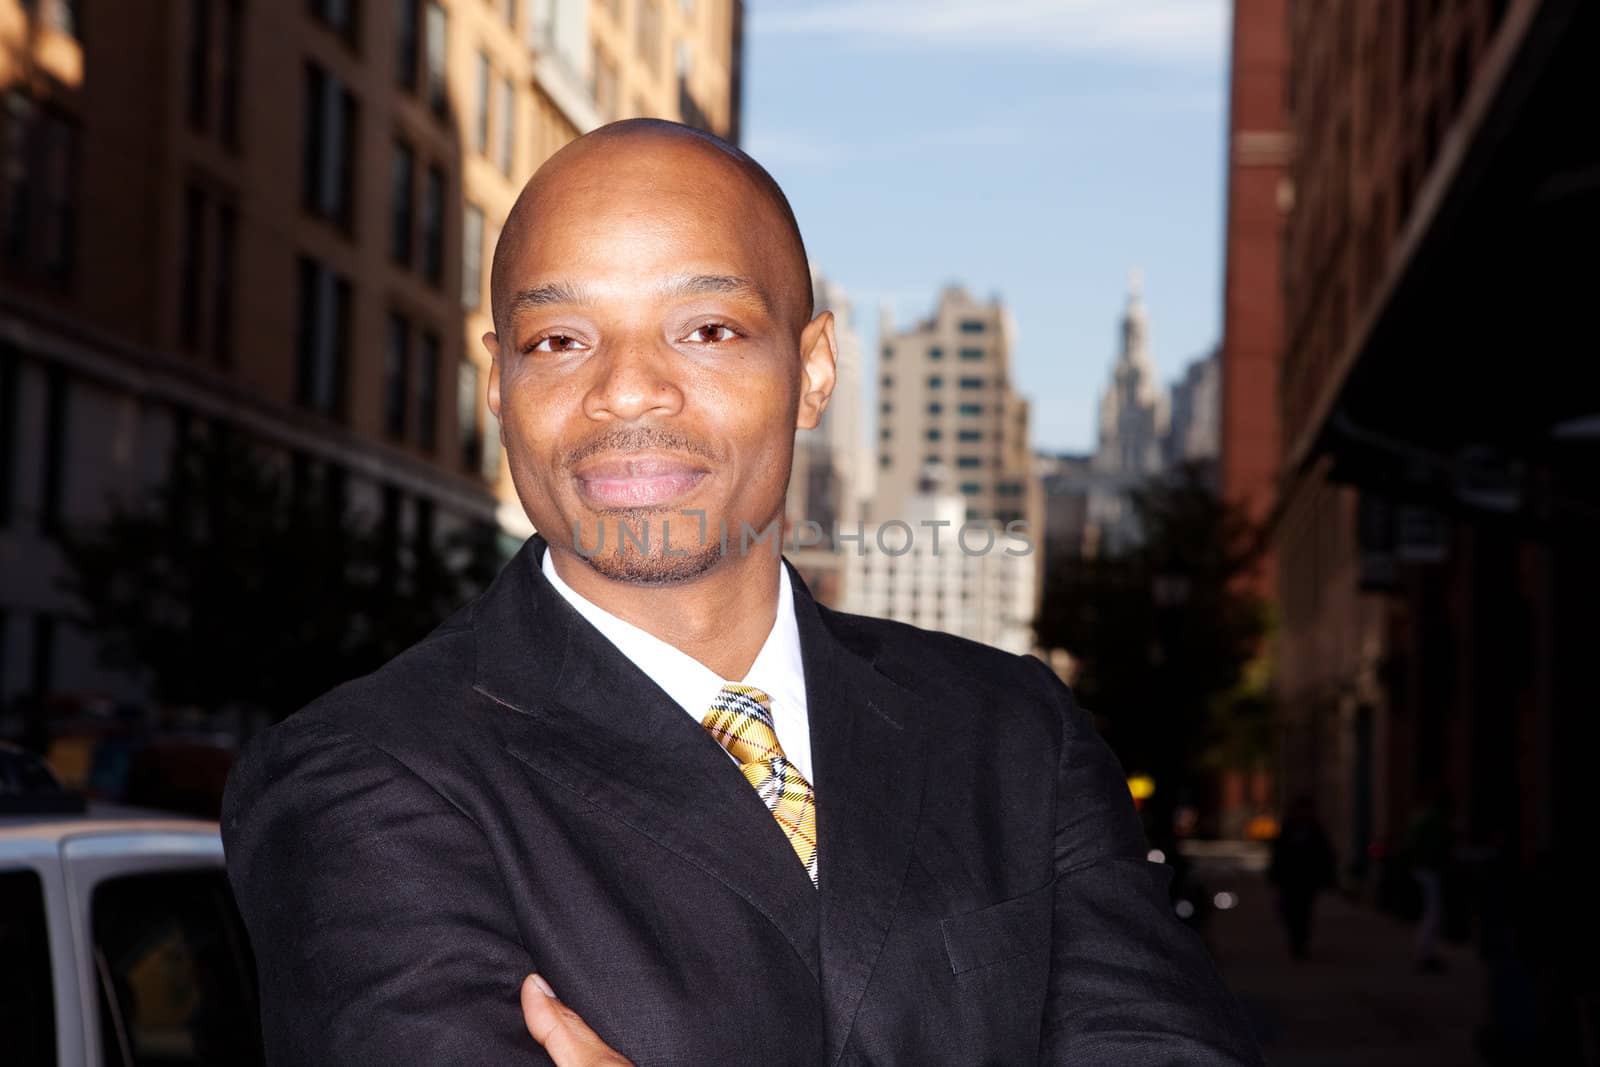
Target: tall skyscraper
(946,399)
(1131,435)
(278,218)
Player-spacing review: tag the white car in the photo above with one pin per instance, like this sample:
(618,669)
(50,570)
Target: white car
(120,945)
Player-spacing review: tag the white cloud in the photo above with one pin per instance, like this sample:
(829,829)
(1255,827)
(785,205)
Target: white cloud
(1144,29)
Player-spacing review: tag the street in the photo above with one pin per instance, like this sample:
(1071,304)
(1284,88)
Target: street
(1358,999)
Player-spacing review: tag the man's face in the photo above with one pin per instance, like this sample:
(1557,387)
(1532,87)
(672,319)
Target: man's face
(649,366)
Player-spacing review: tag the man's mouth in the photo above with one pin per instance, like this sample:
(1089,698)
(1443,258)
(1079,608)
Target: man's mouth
(637,480)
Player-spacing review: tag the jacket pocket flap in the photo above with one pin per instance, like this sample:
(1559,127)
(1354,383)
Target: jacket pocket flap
(999,932)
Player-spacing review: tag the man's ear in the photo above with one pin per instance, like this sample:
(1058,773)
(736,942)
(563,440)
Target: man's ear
(491,345)
(819,356)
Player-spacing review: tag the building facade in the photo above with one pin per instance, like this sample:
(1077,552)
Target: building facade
(1130,436)
(946,399)
(1259,198)
(279,218)
(932,567)
(1438,516)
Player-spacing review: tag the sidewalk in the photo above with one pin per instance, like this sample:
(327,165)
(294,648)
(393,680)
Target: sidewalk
(1357,1000)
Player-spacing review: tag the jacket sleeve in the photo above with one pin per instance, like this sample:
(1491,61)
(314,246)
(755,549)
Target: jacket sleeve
(381,926)
(1130,985)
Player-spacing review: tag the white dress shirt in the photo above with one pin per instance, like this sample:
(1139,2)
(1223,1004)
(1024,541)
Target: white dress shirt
(777,670)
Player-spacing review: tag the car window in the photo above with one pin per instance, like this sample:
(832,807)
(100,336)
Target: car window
(177,982)
(27,1004)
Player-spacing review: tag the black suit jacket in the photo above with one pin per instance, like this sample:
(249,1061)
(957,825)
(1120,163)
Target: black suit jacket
(513,794)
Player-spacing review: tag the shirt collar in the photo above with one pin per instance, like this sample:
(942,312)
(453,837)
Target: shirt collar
(778,669)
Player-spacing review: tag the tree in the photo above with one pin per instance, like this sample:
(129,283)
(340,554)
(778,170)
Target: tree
(1164,633)
(225,586)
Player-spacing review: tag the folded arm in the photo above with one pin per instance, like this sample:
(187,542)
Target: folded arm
(1130,985)
(382,929)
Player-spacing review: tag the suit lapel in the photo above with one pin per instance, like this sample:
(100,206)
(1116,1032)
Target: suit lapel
(867,749)
(592,722)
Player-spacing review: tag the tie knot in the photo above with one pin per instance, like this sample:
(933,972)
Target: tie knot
(741,720)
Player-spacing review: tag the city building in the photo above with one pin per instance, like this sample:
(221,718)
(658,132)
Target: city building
(1258,200)
(824,485)
(1438,518)
(278,218)
(1194,416)
(946,399)
(933,567)
(1131,434)
(1066,481)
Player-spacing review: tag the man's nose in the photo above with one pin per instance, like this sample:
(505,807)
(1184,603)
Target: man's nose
(633,378)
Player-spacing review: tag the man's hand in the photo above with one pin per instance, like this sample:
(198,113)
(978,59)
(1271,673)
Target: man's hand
(565,1036)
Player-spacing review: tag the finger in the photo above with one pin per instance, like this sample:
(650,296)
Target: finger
(561,1031)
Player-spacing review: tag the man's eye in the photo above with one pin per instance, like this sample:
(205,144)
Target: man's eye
(556,342)
(712,332)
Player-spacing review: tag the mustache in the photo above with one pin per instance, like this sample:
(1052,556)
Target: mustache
(639,439)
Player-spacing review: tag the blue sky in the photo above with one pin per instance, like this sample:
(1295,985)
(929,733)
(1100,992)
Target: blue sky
(1037,149)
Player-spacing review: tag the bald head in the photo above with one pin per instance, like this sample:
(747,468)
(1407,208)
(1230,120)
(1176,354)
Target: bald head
(626,163)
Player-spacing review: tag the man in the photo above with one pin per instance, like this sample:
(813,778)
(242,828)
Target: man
(863,843)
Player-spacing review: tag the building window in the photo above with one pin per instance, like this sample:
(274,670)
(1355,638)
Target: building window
(647,37)
(62,16)
(604,79)
(885,433)
(1008,489)
(888,352)
(472,257)
(886,407)
(434,44)
(212,56)
(324,333)
(973,326)
(936,408)
(971,355)
(408,36)
(55,449)
(480,128)
(427,391)
(508,126)
(433,225)
(402,167)
(42,166)
(340,16)
(971,488)
(968,462)
(883,460)
(191,266)
(396,376)
(329,147)
(970,409)
(469,424)
(936,353)
(9,360)
(972,383)
(935,381)
(970,435)
(935,434)
(205,284)
(887,382)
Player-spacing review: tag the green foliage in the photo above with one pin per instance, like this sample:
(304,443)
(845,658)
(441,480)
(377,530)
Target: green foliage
(1164,634)
(223,586)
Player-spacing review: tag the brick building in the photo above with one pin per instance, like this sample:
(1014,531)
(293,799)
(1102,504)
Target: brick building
(279,217)
(1439,400)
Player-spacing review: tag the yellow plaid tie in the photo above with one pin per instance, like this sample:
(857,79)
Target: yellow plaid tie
(741,720)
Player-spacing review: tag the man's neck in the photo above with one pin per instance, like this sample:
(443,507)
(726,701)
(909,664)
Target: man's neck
(721,618)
